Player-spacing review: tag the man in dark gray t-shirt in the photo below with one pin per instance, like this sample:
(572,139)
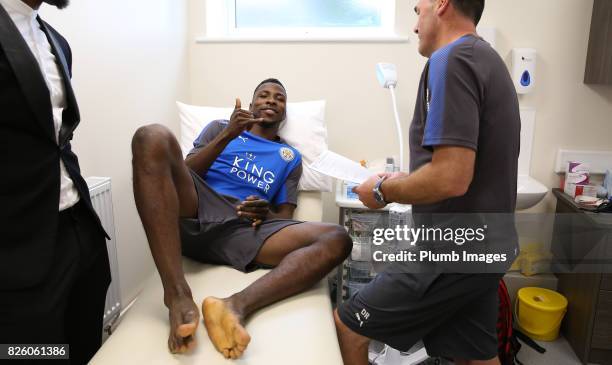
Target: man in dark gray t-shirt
(464,147)
(466,98)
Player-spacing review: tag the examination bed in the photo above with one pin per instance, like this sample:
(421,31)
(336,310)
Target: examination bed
(298,331)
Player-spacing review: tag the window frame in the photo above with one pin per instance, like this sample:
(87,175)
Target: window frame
(221,26)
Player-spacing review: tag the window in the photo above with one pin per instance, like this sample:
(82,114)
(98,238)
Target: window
(300,19)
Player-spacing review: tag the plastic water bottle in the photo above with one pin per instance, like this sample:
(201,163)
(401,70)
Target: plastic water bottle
(390,166)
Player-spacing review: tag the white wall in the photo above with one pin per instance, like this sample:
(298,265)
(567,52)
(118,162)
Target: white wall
(129,66)
(132,59)
(360,119)
(570,114)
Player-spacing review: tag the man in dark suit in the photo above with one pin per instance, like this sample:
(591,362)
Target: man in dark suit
(54,270)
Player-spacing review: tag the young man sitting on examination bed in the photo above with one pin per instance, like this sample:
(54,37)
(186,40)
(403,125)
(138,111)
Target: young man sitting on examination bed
(230,202)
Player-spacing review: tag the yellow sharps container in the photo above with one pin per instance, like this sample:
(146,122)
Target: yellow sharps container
(539,312)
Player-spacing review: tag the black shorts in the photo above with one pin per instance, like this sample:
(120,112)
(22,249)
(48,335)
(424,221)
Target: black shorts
(454,314)
(219,236)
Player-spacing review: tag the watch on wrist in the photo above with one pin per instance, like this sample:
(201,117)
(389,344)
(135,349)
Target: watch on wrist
(378,194)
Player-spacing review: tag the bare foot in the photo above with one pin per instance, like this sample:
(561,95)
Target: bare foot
(184,319)
(225,327)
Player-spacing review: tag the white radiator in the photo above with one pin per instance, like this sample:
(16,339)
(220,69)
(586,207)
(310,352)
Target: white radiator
(101,198)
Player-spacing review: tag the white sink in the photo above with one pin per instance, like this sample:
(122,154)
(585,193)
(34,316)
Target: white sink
(529,192)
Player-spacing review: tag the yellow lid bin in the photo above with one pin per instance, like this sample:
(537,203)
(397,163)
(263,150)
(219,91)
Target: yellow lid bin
(539,312)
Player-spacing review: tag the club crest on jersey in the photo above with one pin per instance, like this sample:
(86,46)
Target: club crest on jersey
(287,154)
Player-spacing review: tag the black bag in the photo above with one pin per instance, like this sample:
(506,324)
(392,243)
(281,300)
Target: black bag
(508,345)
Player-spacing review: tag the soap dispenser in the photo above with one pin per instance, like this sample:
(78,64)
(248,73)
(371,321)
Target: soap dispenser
(524,69)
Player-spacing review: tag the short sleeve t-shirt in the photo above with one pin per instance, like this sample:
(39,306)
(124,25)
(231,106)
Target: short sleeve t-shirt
(252,165)
(466,98)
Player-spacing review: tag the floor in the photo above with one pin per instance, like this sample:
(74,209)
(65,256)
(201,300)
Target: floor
(557,352)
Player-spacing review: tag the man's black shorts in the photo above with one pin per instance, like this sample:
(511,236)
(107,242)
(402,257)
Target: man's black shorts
(219,236)
(454,314)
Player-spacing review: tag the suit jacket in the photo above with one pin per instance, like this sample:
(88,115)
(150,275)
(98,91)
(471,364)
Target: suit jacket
(30,157)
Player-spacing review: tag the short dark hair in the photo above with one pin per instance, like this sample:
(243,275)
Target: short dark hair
(470,8)
(270,81)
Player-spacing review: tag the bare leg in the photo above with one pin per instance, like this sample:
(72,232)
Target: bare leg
(164,191)
(304,253)
(493,361)
(353,346)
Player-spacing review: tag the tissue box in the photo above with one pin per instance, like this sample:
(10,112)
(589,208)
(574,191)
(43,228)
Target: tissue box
(576,178)
(575,190)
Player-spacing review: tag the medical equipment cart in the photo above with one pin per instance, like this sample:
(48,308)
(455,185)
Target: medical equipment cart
(357,270)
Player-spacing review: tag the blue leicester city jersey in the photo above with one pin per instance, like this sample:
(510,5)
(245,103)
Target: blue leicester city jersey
(251,165)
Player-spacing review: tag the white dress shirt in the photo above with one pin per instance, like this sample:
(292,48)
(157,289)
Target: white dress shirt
(24,18)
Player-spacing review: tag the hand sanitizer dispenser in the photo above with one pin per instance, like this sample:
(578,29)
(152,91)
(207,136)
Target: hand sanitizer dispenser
(524,69)
(386,73)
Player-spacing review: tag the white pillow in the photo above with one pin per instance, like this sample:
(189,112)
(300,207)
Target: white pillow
(304,129)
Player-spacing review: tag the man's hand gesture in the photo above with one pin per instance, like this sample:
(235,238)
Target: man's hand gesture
(240,121)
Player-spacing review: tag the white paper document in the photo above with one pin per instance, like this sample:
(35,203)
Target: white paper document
(340,167)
